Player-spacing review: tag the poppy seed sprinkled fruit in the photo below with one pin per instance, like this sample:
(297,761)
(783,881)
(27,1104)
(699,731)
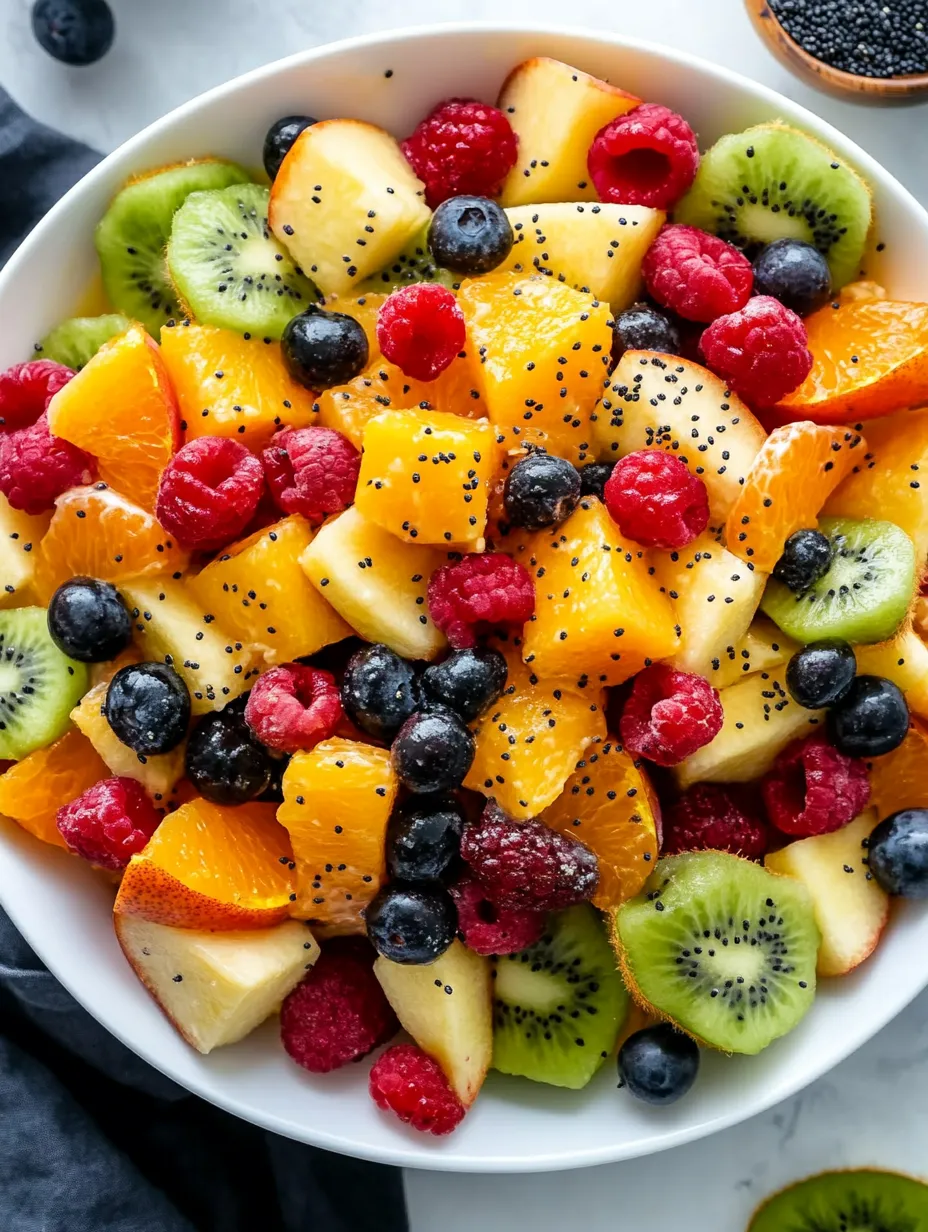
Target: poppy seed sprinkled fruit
(379,691)
(224,761)
(88,621)
(148,707)
(423,838)
(807,556)
(466,682)
(821,673)
(321,349)
(433,752)
(411,924)
(643,328)
(795,273)
(541,490)
(594,477)
(280,138)
(659,1064)
(871,719)
(470,235)
(898,853)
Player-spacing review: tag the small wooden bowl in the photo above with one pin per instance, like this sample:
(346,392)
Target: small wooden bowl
(849,86)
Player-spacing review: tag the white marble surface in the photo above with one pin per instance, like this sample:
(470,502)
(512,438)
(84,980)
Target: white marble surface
(872,1110)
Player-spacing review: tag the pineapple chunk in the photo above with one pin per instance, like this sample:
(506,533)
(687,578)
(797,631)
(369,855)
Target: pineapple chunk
(761,649)
(904,660)
(170,626)
(157,773)
(20,535)
(215,988)
(425,476)
(447,1008)
(556,111)
(377,583)
(260,595)
(345,202)
(596,248)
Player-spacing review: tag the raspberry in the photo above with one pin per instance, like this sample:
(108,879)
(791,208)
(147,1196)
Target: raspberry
(669,715)
(488,929)
(463,148)
(697,275)
(814,789)
(649,156)
(339,1012)
(109,823)
(36,467)
(490,589)
(27,389)
(421,329)
(311,471)
(656,501)
(293,707)
(406,1080)
(762,351)
(715,818)
(209,492)
(525,866)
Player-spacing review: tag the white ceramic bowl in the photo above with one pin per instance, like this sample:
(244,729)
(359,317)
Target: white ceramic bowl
(64,909)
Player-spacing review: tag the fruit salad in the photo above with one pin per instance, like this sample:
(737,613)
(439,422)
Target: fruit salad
(465,591)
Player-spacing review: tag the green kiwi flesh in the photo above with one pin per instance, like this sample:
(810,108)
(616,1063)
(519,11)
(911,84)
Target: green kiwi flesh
(558,1006)
(773,182)
(414,264)
(865,595)
(132,235)
(227,267)
(78,339)
(39,686)
(721,948)
(862,1201)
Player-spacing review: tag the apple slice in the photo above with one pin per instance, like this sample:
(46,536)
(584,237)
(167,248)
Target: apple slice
(19,533)
(215,988)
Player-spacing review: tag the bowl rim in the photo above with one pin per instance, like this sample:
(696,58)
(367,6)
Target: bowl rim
(404,1152)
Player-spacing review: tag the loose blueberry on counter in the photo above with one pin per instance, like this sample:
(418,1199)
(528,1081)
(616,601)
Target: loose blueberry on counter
(807,556)
(148,707)
(541,490)
(658,1064)
(433,752)
(321,349)
(411,924)
(821,673)
(643,328)
(594,477)
(379,691)
(871,719)
(88,621)
(279,139)
(898,853)
(795,273)
(466,682)
(224,761)
(470,235)
(423,837)
(74,31)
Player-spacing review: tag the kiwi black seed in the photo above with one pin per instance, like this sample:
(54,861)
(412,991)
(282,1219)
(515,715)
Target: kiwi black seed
(39,686)
(78,339)
(414,264)
(865,1201)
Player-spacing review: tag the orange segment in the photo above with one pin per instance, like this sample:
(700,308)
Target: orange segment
(34,789)
(97,532)
(121,408)
(797,469)
(209,867)
(900,779)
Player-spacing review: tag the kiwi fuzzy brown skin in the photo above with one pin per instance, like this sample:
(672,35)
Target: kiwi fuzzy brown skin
(910,1185)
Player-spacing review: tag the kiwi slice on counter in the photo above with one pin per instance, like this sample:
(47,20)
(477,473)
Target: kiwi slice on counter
(864,596)
(723,949)
(78,339)
(773,182)
(227,267)
(860,1201)
(558,1006)
(414,264)
(132,235)
(39,686)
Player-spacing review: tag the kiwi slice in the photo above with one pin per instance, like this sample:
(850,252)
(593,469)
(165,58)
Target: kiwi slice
(132,235)
(864,596)
(862,1201)
(39,686)
(78,339)
(558,1006)
(414,264)
(773,182)
(723,949)
(227,267)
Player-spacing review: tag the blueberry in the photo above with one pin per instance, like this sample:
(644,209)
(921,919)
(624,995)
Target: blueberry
(321,349)
(658,1064)
(594,477)
(821,673)
(224,761)
(871,719)
(379,691)
(148,707)
(466,682)
(433,752)
(643,328)
(280,137)
(898,853)
(541,490)
(411,924)
(807,556)
(74,31)
(88,621)
(795,273)
(274,792)
(470,235)
(423,837)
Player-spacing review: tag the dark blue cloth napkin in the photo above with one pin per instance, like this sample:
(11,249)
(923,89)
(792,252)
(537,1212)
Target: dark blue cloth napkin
(92,1139)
